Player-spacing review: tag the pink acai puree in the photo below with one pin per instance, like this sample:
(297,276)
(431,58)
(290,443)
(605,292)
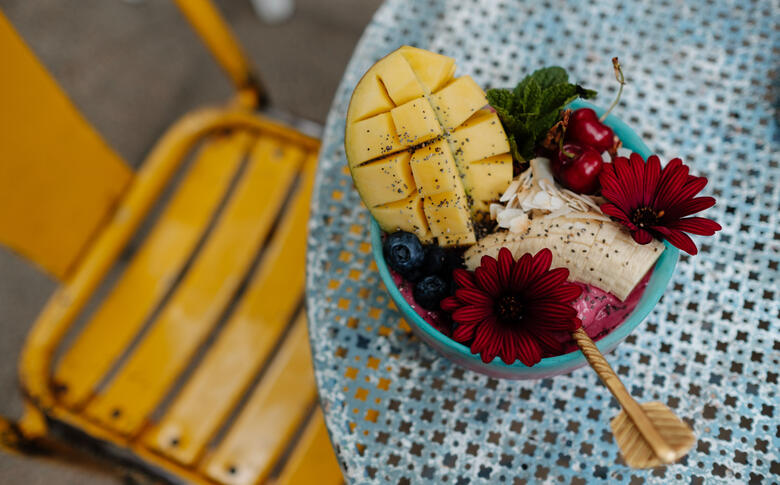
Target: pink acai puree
(600,312)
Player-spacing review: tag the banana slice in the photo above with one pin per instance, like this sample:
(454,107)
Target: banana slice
(596,252)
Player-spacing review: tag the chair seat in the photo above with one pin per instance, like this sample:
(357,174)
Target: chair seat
(198,355)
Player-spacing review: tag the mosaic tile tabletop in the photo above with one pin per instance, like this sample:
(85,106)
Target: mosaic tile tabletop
(703,86)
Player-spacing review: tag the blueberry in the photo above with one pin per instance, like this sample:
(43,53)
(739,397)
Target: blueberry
(429,291)
(404,253)
(454,260)
(435,260)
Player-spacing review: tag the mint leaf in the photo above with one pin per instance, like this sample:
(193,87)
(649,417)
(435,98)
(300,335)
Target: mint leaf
(558,95)
(542,124)
(513,148)
(585,93)
(502,98)
(503,101)
(528,111)
(510,122)
(532,98)
(525,147)
(550,76)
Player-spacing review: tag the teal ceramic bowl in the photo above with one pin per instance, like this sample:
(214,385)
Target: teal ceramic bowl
(562,364)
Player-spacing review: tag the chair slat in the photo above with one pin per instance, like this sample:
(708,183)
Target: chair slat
(246,341)
(270,418)
(152,271)
(313,460)
(204,293)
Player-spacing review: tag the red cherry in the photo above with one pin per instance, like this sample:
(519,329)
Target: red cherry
(577,167)
(585,128)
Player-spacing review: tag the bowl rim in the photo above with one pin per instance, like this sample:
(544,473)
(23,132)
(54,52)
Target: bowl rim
(659,279)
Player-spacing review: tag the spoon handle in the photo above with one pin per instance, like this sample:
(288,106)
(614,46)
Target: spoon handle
(616,387)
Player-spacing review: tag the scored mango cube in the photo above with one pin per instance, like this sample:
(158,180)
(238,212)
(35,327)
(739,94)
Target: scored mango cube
(415,122)
(370,99)
(480,137)
(433,70)
(372,138)
(463,239)
(456,102)
(404,215)
(385,180)
(399,79)
(412,131)
(448,213)
(434,169)
(485,179)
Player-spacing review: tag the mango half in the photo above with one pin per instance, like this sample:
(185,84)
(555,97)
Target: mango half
(424,151)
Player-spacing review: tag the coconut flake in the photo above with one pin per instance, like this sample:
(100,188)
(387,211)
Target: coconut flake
(504,218)
(511,190)
(535,192)
(495,209)
(520,223)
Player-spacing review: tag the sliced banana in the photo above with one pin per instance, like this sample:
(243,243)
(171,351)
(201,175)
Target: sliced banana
(597,253)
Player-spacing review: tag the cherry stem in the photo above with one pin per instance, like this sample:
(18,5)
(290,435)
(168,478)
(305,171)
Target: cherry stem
(566,114)
(622,81)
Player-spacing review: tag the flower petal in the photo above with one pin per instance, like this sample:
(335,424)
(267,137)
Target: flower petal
(673,177)
(484,342)
(505,263)
(553,314)
(652,175)
(637,164)
(489,263)
(564,293)
(641,236)
(688,207)
(464,332)
(612,210)
(470,314)
(463,278)
(547,282)
(473,297)
(450,304)
(696,225)
(626,179)
(490,351)
(520,272)
(508,348)
(530,351)
(487,280)
(690,188)
(677,238)
(540,264)
(548,341)
(611,188)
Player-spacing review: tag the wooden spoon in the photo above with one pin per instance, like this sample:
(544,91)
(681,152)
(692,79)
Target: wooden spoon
(648,434)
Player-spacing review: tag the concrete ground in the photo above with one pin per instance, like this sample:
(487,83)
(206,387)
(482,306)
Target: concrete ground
(133,67)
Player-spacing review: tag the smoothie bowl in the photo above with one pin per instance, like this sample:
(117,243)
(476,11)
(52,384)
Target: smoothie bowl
(505,223)
(606,319)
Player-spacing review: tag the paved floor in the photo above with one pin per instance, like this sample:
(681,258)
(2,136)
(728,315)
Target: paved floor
(133,67)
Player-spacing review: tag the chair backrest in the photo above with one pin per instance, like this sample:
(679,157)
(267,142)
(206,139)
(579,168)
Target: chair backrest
(59,181)
(215,33)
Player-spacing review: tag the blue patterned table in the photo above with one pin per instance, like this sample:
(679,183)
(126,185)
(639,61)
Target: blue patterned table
(702,85)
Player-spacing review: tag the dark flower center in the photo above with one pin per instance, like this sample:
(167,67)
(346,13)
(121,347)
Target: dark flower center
(509,308)
(646,217)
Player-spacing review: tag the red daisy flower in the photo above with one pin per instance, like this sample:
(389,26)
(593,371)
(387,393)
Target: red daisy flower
(651,201)
(513,309)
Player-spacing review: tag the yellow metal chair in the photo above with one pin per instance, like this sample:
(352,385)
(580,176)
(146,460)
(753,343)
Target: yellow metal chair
(195,367)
